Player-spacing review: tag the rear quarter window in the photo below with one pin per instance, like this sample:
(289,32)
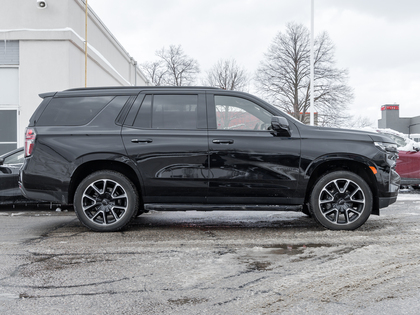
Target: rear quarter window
(72,111)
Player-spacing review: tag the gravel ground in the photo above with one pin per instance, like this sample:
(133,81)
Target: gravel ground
(211,263)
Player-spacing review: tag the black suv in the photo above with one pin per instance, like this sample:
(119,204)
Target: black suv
(115,153)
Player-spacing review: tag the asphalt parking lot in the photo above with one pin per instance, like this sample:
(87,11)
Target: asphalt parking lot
(211,263)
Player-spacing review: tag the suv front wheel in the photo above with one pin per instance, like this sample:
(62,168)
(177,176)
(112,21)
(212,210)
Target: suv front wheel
(341,200)
(106,201)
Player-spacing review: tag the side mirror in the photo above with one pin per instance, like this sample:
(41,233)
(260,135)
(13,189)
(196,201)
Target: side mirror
(280,125)
(1,161)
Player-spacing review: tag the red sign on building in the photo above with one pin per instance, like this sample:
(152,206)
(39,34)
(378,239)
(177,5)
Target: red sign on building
(390,107)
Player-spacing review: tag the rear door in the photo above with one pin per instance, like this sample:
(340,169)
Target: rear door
(165,133)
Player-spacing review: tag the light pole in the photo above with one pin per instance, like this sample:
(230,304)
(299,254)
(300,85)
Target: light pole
(311,106)
(86,54)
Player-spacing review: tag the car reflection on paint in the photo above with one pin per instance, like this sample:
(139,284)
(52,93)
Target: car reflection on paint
(10,164)
(408,162)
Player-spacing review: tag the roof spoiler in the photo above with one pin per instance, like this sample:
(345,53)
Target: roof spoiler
(49,94)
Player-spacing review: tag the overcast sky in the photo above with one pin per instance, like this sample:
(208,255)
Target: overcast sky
(378,41)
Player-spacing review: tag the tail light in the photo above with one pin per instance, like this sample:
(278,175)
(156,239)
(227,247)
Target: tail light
(30,136)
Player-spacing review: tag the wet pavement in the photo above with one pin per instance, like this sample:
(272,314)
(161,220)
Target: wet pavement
(210,263)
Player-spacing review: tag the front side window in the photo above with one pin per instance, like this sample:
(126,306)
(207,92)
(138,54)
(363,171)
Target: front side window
(168,112)
(234,113)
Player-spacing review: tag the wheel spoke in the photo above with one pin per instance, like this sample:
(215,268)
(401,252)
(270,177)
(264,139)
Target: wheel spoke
(89,207)
(328,193)
(354,213)
(115,189)
(105,185)
(95,215)
(346,216)
(337,216)
(89,197)
(354,192)
(104,216)
(336,186)
(119,197)
(357,200)
(327,213)
(114,214)
(345,186)
(95,188)
(325,201)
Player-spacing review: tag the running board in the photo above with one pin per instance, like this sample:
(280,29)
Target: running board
(216,207)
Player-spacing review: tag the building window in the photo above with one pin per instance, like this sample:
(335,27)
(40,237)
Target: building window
(9,97)
(8,130)
(9,82)
(9,52)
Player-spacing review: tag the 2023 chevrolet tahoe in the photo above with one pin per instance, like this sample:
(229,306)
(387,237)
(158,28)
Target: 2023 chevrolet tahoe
(115,153)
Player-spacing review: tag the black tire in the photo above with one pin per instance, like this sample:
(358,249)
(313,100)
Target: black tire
(106,201)
(341,200)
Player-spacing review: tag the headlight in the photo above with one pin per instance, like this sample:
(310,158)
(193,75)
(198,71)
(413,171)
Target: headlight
(391,152)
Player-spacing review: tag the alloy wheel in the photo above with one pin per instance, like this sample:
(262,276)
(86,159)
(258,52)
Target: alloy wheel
(105,202)
(341,201)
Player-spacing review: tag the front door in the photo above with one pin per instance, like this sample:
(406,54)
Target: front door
(248,162)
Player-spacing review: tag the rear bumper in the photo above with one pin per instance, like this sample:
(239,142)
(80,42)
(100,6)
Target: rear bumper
(55,197)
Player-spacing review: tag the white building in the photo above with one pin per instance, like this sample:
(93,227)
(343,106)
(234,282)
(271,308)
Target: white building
(42,50)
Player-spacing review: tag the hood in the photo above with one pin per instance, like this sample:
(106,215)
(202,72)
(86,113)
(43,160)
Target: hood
(344,134)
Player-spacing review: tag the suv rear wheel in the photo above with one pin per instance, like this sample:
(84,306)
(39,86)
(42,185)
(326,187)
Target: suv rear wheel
(106,201)
(341,200)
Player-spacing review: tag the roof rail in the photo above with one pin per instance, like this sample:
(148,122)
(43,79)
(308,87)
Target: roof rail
(142,87)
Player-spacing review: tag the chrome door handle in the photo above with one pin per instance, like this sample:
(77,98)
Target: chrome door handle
(141,140)
(223,141)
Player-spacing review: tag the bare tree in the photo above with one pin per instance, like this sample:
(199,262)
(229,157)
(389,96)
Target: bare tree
(155,71)
(284,76)
(359,122)
(227,75)
(173,68)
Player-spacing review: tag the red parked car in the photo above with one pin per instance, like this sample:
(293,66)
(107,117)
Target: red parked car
(408,163)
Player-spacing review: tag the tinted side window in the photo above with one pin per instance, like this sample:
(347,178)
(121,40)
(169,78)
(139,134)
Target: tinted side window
(168,112)
(72,111)
(236,113)
(144,116)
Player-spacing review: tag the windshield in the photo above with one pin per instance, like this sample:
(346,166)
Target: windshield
(400,141)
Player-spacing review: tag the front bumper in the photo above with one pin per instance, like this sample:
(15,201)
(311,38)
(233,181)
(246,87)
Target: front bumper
(386,201)
(393,189)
